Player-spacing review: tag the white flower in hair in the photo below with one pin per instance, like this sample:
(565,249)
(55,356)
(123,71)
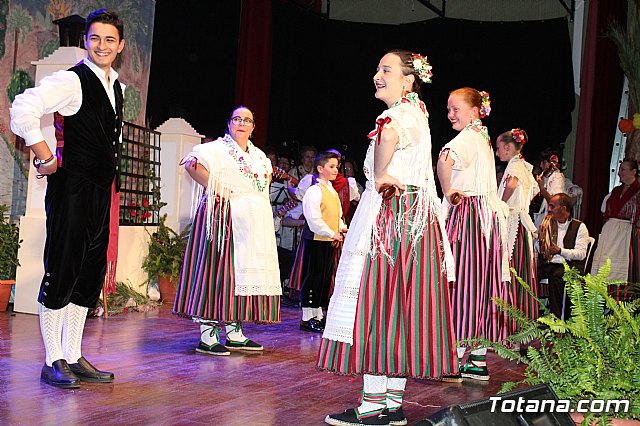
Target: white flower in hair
(422,67)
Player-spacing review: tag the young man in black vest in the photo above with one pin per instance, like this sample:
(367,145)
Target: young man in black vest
(562,239)
(81,182)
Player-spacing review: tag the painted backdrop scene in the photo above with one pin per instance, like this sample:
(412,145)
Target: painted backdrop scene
(27,34)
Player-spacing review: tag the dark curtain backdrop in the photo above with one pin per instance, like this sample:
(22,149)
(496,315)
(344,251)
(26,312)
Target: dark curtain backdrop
(601,88)
(253,75)
(193,65)
(322,88)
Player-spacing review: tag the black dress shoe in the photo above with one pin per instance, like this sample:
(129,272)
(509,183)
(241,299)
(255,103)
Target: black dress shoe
(88,373)
(312,325)
(59,375)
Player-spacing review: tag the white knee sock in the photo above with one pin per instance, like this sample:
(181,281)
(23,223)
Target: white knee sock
(307,314)
(51,329)
(209,333)
(317,313)
(72,329)
(374,394)
(234,332)
(395,392)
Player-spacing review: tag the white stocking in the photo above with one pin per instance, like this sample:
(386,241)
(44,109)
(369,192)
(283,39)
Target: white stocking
(307,314)
(234,332)
(72,330)
(209,333)
(374,393)
(51,329)
(395,392)
(317,313)
(460,351)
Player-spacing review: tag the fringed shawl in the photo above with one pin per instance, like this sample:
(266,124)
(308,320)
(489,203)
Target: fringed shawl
(241,180)
(412,165)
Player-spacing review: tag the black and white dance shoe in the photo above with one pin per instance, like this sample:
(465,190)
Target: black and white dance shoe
(246,345)
(312,325)
(88,373)
(396,417)
(215,349)
(59,375)
(349,418)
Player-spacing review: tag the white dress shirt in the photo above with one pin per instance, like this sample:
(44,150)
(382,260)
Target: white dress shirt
(60,92)
(311,207)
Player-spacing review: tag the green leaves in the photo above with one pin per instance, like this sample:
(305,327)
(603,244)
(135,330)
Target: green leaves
(594,354)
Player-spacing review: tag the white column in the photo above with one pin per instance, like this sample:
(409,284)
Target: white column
(177,140)
(32,224)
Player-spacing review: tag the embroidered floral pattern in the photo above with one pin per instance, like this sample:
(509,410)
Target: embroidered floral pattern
(476,125)
(259,179)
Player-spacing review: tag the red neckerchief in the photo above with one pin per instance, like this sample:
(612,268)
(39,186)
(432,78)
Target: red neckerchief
(616,201)
(341,185)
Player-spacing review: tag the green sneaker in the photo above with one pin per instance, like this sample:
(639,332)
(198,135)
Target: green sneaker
(471,370)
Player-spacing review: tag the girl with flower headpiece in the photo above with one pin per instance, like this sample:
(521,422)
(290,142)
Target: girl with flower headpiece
(517,189)
(476,227)
(389,316)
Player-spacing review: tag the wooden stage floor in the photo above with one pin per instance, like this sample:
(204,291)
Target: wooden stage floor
(160,380)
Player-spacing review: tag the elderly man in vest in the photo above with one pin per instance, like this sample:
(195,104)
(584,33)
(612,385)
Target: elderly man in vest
(80,186)
(561,239)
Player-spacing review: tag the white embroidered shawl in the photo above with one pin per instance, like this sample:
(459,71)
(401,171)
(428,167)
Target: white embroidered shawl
(412,165)
(520,199)
(242,180)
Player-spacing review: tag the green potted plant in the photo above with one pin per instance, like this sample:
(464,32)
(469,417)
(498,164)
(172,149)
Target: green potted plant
(594,354)
(164,260)
(9,244)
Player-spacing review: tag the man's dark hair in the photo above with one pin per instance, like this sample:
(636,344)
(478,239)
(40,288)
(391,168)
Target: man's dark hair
(105,16)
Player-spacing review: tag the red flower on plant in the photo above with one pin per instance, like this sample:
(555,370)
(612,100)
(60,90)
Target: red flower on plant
(255,175)
(146,215)
(133,213)
(145,203)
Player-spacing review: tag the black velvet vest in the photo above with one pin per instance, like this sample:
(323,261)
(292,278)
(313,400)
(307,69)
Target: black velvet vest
(92,145)
(569,242)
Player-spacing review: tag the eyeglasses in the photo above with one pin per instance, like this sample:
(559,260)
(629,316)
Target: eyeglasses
(239,120)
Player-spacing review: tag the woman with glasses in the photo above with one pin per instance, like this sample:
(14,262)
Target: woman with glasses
(620,236)
(230,272)
(389,316)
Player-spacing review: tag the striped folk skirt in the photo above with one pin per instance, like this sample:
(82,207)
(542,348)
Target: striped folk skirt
(206,289)
(524,262)
(403,321)
(478,273)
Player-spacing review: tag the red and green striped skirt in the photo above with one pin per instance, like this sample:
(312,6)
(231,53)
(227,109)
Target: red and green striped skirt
(403,321)
(206,288)
(478,273)
(524,262)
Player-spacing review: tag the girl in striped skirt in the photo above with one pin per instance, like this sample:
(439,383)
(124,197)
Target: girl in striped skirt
(230,272)
(389,316)
(517,189)
(476,226)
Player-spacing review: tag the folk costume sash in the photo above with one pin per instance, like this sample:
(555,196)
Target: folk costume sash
(241,179)
(365,238)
